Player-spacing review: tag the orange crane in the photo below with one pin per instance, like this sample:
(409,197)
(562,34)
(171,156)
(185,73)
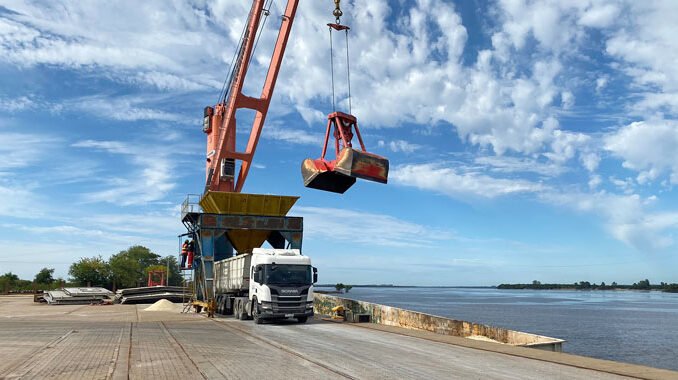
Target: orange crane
(220,125)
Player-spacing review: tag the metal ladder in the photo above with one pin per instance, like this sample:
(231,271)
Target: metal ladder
(188,292)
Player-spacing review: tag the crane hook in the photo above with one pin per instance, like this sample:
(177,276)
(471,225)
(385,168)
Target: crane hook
(337,11)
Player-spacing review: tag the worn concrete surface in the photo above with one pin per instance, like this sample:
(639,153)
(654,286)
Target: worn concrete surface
(123,341)
(398,317)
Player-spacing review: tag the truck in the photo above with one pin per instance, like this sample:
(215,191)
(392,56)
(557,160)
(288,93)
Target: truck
(267,284)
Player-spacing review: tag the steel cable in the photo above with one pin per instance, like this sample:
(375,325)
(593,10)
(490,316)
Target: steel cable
(334,108)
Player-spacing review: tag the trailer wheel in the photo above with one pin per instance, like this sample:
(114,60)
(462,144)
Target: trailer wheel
(242,313)
(236,309)
(255,312)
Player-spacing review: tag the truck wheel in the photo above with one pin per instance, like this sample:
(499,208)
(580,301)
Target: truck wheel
(241,311)
(236,310)
(255,312)
(302,319)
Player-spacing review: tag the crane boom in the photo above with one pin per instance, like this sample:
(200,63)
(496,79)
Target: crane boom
(220,122)
(334,175)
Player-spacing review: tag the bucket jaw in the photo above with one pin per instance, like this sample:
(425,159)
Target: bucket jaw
(340,174)
(317,175)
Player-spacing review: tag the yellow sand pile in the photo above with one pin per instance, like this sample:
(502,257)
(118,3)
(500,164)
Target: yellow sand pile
(162,305)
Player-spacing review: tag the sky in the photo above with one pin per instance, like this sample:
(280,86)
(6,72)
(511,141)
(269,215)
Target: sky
(528,140)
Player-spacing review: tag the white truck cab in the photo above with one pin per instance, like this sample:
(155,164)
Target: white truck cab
(281,284)
(266,284)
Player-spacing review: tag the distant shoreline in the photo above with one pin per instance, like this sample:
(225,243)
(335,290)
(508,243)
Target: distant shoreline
(585,285)
(409,286)
(667,288)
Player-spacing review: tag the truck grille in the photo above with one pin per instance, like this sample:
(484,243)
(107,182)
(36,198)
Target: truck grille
(287,302)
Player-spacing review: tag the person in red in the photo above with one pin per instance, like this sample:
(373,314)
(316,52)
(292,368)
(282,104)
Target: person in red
(184,253)
(191,253)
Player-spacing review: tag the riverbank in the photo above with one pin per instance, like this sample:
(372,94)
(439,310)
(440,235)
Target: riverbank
(628,326)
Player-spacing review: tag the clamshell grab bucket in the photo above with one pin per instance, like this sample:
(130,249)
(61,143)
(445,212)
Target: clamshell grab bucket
(339,175)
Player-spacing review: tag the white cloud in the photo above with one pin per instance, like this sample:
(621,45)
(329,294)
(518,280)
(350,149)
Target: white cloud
(648,50)
(17,104)
(20,150)
(125,108)
(599,15)
(567,99)
(508,101)
(294,136)
(590,160)
(444,180)
(595,181)
(129,42)
(625,217)
(19,202)
(565,145)
(394,71)
(506,164)
(368,229)
(158,223)
(649,147)
(601,82)
(399,146)
(150,181)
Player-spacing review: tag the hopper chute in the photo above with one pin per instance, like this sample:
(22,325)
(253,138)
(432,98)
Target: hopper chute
(241,205)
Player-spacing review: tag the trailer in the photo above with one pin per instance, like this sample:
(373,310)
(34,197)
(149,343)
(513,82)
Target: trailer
(267,284)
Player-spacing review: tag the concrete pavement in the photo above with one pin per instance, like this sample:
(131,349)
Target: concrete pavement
(123,341)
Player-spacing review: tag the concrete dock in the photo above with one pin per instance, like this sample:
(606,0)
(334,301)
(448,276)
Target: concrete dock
(125,341)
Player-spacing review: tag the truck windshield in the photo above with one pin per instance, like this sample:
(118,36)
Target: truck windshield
(287,274)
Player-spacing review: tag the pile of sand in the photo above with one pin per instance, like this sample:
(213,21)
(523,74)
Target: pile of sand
(162,305)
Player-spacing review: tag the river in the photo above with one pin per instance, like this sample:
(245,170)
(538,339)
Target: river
(638,327)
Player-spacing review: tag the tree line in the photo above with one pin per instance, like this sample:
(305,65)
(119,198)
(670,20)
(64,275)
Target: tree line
(585,285)
(125,269)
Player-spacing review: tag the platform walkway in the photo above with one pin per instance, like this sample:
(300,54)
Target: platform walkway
(124,341)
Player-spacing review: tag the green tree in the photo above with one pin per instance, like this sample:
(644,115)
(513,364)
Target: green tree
(93,271)
(174,273)
(128,267)
(44,276)
(347,288)
(641,285)
(339,287)
(125,271)
(8,281)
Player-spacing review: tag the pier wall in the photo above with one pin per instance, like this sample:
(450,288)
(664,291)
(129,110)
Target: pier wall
(357,311)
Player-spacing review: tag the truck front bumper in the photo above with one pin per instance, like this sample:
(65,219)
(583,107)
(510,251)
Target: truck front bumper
(269,310)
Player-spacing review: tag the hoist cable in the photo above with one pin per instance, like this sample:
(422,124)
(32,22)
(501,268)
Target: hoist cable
(334,108)
(348,75)
(227,80)
(267,11)
(234,64)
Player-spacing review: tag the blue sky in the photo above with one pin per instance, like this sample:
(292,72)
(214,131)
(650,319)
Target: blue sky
(528,140)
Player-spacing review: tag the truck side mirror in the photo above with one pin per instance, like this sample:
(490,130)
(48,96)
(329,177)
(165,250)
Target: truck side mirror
(315,275)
